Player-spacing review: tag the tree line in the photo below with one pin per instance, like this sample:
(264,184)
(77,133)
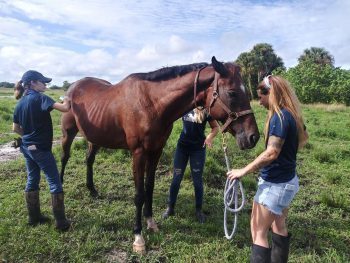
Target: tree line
(314,78)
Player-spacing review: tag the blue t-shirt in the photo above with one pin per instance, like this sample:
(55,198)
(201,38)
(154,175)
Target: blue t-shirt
(283,168)
(32,113)
(192,134)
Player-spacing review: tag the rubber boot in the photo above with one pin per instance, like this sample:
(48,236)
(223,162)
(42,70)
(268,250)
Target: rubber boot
(280,248)
(200,215)
(33,205)
(58,211)
(169,211)
(260,254)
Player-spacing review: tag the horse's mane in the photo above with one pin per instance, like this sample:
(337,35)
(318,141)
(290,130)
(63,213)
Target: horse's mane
(168,72)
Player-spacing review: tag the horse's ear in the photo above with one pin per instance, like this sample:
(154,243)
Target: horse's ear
(219,67)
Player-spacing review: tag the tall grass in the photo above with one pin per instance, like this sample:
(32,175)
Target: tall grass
(102,227)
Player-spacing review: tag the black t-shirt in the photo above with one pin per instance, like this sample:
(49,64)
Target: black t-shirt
(192,134)
(32,113)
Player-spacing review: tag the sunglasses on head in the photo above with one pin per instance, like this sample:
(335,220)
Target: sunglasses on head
(264,91)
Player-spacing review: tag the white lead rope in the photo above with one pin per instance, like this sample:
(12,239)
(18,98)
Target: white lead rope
(231,197)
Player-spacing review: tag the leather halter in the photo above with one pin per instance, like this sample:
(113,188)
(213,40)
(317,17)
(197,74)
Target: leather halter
(232,116)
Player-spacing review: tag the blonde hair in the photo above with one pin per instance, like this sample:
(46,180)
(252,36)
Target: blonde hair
(283,96)
(199,114)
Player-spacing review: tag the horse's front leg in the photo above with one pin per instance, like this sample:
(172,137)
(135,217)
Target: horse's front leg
(151,166)
(90,159)
(138,172)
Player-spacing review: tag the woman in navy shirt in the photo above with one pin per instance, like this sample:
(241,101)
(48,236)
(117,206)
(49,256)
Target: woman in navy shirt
(191,146)
(32,120)
(285,133)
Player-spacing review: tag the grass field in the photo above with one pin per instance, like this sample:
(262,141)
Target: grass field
(319,217)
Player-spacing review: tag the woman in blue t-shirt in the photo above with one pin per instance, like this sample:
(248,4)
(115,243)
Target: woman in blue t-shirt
(285,133)
(191,146)
(32,120)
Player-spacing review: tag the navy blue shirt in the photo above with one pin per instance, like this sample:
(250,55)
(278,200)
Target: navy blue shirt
(32,113)
(192,134)
(283,168)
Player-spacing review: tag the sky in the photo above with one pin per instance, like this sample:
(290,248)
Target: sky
(70,39)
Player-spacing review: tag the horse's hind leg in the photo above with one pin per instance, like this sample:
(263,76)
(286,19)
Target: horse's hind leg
(69,131)
(90,159)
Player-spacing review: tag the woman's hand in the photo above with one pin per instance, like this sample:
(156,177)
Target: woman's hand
(208,141)
(236,173)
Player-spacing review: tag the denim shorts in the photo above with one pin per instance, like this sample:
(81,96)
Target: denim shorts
(276,197)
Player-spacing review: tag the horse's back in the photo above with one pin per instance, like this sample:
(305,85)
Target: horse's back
(86,86)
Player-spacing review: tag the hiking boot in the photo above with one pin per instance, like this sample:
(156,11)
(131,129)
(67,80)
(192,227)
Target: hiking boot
(200,216)
(169,212)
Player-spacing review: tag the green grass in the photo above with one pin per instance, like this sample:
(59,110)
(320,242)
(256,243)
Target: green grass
(318,218)
(7,105)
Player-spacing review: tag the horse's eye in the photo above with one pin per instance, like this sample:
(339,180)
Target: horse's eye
(232,94)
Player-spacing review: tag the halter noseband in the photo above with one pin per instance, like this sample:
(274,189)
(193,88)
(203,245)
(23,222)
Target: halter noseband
(232,116)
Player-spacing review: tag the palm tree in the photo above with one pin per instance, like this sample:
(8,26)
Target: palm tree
(318,56)
(246,62)
(257,63)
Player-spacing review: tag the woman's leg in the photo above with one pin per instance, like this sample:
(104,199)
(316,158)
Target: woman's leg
(180,162)
(47,163)
(261,221)
(33,171)
(280,239)
(279,224)
(197,161)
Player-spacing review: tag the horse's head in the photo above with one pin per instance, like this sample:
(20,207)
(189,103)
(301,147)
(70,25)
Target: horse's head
(227,102)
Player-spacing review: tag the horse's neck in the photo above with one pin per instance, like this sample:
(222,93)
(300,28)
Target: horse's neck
(178,97)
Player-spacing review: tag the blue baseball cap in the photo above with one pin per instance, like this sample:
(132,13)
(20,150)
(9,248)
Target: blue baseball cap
(32,75)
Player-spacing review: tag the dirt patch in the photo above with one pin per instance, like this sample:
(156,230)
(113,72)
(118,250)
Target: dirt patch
(117,255)
(8,153)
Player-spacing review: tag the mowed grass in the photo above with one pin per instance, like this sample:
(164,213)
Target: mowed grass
(102,227)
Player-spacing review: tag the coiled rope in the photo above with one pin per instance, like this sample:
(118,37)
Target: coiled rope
(233,194)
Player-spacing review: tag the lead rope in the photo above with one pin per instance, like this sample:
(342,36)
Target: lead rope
(231,195)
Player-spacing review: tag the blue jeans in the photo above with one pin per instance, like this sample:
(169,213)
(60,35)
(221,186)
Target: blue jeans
(197,160)
(37,160)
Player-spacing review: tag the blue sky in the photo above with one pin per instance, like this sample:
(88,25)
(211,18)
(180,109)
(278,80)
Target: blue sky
(72,39)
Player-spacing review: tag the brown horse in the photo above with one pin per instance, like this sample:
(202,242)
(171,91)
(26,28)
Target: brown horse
(138,114)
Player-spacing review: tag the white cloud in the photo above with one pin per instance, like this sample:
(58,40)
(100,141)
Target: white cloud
(111,39)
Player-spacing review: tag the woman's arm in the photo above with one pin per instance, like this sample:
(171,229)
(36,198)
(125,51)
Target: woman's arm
(17,129)
(214,131)
(271,153)
(63,107)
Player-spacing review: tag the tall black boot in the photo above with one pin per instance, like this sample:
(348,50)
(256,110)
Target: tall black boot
(33,205)
(200,215)
(170,211)
(58,211)
(280,248)
(260,254)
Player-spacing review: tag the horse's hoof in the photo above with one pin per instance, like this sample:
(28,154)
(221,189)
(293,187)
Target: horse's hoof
(139,245)
(139,249)
(93,193)
(152,225)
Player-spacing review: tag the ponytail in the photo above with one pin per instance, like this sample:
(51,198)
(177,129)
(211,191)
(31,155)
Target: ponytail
(19,90)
